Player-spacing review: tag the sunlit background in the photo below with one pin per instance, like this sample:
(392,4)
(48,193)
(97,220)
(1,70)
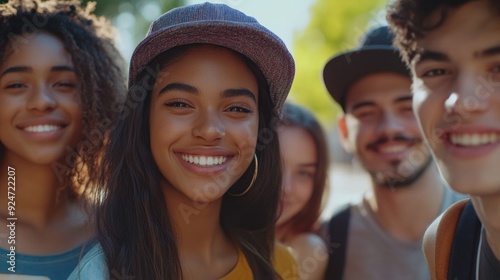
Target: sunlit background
(313,30)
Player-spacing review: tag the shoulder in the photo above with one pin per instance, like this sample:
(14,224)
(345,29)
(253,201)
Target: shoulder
(284,263)
(308,244)
(438,238)
(310,251)
(91,266)
(429,245)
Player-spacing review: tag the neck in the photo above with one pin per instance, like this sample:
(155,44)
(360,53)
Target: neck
(488,211)
(205,251)
(196,225)
(406,212)
(37,195)
(283,233)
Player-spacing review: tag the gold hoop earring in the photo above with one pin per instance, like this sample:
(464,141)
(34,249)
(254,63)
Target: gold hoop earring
(255,171)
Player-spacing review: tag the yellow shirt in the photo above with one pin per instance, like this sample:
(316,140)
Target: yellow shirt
(283,263)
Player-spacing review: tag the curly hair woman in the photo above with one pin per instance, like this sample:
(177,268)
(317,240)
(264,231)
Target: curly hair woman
(56,111)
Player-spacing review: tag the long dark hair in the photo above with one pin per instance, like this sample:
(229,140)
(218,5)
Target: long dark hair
(98,66)
(133,223)
(307,218)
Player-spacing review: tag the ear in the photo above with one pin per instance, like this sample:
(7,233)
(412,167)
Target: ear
(344,134)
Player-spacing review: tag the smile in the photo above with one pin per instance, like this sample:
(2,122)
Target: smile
(473,139)
(204,160)
(42,128)
(392,149)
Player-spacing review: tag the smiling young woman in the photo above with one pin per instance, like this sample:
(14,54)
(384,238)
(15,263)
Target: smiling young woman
(195,195)
(54,121)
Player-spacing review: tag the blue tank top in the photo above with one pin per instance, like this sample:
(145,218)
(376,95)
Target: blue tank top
(53,267)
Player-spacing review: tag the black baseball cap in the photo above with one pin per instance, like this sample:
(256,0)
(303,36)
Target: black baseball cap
(375,54)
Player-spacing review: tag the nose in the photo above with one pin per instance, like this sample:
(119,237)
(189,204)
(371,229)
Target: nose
(286,184)
(391,124)
(41,99)
(210,127)
(468,97)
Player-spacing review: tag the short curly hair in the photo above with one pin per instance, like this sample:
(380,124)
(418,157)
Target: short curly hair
(98,64)
(407,19)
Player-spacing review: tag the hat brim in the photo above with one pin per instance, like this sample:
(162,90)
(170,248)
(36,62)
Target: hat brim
(266,51)
(344,69)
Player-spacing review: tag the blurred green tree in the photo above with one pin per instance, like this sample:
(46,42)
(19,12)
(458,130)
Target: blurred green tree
(132,18)
(111,7)
(335,26)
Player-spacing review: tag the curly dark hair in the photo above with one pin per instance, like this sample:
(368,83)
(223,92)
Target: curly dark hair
(407,19)
(99,67)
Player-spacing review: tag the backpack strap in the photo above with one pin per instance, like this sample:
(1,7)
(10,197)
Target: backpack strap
(444,238)
(465,245)
(337,243)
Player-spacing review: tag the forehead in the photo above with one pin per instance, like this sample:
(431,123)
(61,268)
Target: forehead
(38,49)
(381,89)
(465,31)
(208,62)
(293,137)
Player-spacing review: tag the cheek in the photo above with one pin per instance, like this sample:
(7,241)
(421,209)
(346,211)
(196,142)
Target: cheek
(245,134)
(304,189)
(426,108)
(307,192)
(353,134)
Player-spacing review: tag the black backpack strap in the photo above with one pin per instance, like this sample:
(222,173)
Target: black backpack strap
(465,245)
(337,243)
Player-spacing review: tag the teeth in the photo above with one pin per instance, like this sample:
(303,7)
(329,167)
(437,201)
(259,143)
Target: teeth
(393,149)
(474,139)
(204,160)
(42,128)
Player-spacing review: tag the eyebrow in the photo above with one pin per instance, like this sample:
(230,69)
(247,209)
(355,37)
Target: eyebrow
(238,92)
(21,69)
(403,99)
(371,103)
(424,55)
(362,104)
(312,164)
(437,56)
(15,69)
(191,89)
(488,52)
(178,87)
(62,68)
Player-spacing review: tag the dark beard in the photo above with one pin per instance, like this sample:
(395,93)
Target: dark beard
(396,180)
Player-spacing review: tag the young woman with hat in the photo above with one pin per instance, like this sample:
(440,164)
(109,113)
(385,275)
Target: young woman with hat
(55,115)
(194,166)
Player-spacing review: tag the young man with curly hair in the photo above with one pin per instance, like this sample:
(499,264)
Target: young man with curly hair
(453,48)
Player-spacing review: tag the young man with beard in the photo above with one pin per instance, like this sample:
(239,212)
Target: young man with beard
(380,237)
(456,93)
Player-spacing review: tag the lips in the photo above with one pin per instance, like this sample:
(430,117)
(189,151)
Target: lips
(204,160)
(473,139)
(471,142)
(390,149)
(42,128)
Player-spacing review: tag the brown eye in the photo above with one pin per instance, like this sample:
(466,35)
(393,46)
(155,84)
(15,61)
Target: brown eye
(179,104)
(15,86)
(239,109)
(435,72)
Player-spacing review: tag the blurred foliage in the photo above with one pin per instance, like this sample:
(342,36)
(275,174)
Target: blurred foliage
(138,11)
(335,26)
(111,8)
